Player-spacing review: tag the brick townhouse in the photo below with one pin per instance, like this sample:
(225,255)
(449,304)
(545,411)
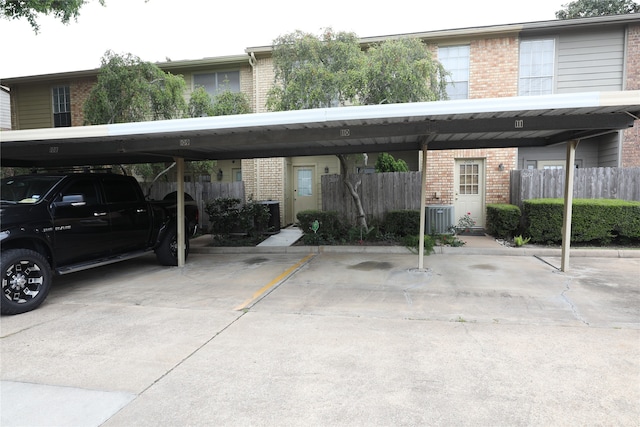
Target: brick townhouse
(549,57)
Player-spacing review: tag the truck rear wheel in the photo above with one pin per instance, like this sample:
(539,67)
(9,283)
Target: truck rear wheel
(167,251)
(26,280)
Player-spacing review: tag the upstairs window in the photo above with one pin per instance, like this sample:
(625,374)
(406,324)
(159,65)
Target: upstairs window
(536,67)
(61,106)
(455,59)
(215,83)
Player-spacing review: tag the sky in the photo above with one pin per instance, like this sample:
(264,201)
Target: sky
(158,30)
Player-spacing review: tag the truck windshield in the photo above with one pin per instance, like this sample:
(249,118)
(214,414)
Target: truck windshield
(27,188)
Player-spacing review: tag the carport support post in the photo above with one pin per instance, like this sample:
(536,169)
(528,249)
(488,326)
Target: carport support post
(180,205)
(423,206)
(568,202)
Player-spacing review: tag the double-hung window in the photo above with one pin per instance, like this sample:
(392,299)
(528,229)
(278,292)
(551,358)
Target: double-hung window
(61,100)
(537,59)
(455,59)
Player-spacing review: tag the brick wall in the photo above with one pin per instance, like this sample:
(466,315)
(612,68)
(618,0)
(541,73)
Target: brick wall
(486,80)
(631,137)
(262,81)
(441,168)
(493,67)
(79,91)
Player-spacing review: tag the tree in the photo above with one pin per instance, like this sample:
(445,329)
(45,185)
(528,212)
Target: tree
(332,70)
(402,70)
(130,90)
(386,163)
(587,8)
(200,104)
(228,103)
(63,10)
(315,72)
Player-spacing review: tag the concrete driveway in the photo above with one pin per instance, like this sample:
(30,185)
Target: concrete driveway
(330,339)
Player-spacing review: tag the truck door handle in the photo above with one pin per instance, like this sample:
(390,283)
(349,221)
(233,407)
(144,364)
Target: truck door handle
(99,214)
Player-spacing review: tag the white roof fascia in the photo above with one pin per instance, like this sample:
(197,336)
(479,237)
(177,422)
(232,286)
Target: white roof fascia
(324,115)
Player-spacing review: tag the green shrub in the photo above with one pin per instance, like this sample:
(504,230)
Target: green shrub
(329,229)
(402,223)
(387,163)
(503,220)
(412,242)
(230,215)
(593,220)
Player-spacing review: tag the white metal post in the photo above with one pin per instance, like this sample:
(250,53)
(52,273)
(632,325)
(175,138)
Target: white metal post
(568,202)
(180,221)
(423,206)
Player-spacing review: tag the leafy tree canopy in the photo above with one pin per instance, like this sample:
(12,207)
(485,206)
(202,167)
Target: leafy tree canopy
(227,103)
(64,10)
(332,70)
(200,103)
(588,8)
(402,70)
(130,90)
(387,163)
(315,72)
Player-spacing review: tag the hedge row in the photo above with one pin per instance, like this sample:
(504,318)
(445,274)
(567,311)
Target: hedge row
(600,221)
(593,220)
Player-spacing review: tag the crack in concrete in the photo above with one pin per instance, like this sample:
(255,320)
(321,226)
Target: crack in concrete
(573,307)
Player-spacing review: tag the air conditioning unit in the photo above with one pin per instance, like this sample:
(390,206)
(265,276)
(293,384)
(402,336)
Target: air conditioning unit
(439,219)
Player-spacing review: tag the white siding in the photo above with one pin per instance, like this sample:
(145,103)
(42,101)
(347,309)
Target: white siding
(590,61)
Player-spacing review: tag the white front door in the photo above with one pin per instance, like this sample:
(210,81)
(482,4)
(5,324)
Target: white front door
(304,194)
(469,190)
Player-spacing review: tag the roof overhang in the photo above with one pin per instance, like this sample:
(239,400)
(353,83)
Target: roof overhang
(478,123)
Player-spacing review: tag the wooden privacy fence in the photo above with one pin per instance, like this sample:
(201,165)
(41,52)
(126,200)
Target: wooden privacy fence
(589,183)
(379,193)
(202,192)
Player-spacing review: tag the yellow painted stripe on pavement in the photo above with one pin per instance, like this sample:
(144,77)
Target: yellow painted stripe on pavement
(274,282)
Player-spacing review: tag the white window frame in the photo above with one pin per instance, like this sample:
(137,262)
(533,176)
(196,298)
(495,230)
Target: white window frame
(537,67)
(456,60)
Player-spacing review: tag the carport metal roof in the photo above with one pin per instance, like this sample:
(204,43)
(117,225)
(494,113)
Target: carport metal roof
(477,123)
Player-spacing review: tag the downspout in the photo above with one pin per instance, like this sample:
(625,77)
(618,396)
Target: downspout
(253,62)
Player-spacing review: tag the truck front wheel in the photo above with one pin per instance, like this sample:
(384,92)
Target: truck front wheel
(167,251)
(26,280)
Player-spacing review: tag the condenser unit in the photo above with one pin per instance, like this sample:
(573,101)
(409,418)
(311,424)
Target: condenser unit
(439,219)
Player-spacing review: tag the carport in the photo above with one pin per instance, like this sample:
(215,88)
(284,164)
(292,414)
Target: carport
(533,121)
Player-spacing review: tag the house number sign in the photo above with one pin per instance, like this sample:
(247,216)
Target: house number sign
(345,132)
(519,124)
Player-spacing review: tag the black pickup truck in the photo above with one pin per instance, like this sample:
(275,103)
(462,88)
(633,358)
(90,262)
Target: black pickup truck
(59,224)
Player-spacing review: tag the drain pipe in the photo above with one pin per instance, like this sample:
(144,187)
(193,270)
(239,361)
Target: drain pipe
(253,62)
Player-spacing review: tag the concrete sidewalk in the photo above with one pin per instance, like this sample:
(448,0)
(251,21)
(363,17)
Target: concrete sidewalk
(474,245)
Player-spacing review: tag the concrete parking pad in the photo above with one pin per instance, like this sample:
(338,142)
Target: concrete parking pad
(336,339)
(65,406)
